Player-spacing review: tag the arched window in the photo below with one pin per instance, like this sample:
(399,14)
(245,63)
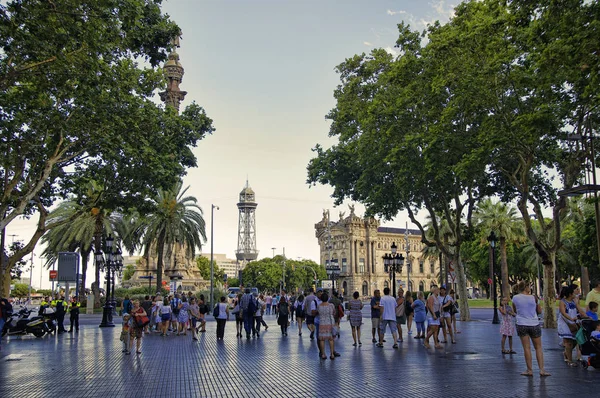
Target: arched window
(432,285)
(386,284)
(379,245)
(365,288)
(345,288)
(421,286)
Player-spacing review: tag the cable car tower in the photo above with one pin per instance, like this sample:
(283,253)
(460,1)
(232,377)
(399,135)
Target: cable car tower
(246,248)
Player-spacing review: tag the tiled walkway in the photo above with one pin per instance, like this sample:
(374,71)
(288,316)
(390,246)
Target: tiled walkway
(90,364)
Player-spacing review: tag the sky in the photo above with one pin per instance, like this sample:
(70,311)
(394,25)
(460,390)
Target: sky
(264,71)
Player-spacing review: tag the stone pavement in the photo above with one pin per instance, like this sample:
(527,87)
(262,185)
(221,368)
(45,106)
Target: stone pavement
(90,364)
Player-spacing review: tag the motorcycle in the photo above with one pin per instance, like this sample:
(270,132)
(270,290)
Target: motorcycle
(19,323)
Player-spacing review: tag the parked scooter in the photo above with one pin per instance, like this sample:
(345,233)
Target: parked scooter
(19,323)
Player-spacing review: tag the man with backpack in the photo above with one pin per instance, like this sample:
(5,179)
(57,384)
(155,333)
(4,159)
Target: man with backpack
(176,305)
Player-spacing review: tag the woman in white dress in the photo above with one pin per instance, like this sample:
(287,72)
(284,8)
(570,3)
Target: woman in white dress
(568,309)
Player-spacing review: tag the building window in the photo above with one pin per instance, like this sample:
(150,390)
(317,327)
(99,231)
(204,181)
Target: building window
(386,284)
(344,265)
(421,287)
(432,266)
(431,286)
(361,265)
(345,288)
(365,288)
(421,267)
(379,245)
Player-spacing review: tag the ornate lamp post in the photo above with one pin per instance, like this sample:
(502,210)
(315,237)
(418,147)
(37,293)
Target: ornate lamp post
(332,270)
(493,239)
(393,263)
(111,265)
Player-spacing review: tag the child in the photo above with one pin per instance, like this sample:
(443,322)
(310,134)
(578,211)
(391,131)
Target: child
(125,334)
(507,328)
(593,311)
(596,333)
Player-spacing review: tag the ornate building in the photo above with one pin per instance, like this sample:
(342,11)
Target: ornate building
(358,245)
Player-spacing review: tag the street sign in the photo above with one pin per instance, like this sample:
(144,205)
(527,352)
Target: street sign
(53,275)
(326,284)
(68,265)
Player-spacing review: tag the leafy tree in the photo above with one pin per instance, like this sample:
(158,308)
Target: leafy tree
(203,264)
(21,290)
(175,218)
(128,272)
(75,102)
(233,282)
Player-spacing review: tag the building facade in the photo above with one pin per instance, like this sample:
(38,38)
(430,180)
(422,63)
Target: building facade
(358,245)
(229,266)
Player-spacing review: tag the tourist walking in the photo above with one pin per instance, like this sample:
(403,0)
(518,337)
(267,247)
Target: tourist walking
(165,316)
(268,302)
(299,310)
(529,331)
(355,307)
(139,320)
(454,311)
(203,310)
(176,305)
(375,315)
(239,318)
(387,305)
(408,311)
(568,309)
(193,311)
(156,319)
(183,317)
(283,310)
(221,315)
(507,328)
(248,308)
(400,313)
(420,312)
(147,306)
(309,301)
(446,304)
(433,318)
(258,314)
(125,331)
(338,313)
(326,327)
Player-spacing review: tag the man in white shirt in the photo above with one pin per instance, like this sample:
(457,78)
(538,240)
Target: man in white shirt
(387,306)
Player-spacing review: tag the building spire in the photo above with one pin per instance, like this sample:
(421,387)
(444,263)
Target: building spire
(174,73)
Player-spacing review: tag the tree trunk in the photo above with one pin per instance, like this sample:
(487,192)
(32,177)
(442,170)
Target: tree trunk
(504,269)
(585,281)
(549,292)
(85,255)
(160,246)
(97,248)
(465,313)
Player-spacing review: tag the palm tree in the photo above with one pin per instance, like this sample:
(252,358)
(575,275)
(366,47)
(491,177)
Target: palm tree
(82,234)
(502,219)
(175,219)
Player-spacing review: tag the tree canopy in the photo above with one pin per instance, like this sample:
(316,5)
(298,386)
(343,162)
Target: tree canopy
(77,81)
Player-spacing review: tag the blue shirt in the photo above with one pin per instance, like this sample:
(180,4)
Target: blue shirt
(592,315)
(375,312)
(420,313)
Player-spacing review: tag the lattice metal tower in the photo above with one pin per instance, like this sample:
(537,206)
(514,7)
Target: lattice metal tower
(246,248)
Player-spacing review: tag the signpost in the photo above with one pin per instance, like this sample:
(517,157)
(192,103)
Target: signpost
(68,270)
(333,270)
(53,275)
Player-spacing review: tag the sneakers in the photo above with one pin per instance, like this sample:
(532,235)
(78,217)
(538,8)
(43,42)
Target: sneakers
(374,340)
(312,335)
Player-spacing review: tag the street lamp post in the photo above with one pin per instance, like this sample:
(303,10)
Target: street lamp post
(112,263)
(493,239)
(212,267)
(393,263)
(408,264)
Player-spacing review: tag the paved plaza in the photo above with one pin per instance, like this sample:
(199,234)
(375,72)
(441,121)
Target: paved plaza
(90,364)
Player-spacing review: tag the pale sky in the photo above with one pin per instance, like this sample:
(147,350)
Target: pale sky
(264,72)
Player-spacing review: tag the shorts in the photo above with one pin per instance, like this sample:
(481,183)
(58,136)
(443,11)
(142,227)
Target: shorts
(392,325)
(446,315)
(433,322)
(375,322)
(401,320)
(165,317)
(532,331)
(310,320)
(135,332)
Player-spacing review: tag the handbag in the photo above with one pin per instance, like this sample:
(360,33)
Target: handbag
(216,311)
(142,321)
(581,337)
(573,327)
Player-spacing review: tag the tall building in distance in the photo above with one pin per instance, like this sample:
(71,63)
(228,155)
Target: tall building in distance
(246,247)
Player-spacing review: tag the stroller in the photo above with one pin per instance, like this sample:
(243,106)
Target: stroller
(589,347)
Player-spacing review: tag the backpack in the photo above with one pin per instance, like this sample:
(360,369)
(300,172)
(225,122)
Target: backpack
(216,311)
(283,309)
(251,306)
(128,306)
(340,310)
(175,306)
(299,310)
